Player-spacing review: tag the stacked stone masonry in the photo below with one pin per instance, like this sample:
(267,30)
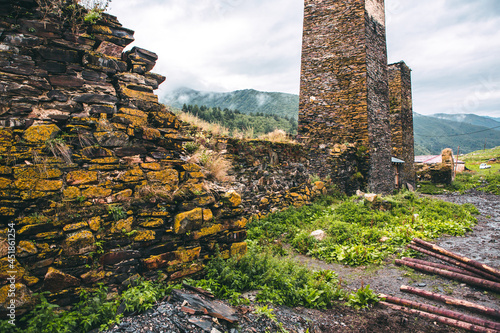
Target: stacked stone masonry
(91,175)
(344,92)
(401,118)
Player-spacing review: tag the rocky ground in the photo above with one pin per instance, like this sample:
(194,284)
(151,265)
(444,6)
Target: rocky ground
(177,314)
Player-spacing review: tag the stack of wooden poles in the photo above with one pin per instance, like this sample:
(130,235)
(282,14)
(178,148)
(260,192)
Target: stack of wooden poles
(459,268)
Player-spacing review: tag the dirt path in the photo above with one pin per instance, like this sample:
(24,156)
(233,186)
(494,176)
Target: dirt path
(483,244)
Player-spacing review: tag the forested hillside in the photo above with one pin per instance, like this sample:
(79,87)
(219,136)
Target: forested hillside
(233,119)
(247,101)
(255,109)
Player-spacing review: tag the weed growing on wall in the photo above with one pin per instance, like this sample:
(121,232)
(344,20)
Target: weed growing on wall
(360,232)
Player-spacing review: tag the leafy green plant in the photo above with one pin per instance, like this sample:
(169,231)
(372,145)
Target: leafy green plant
(117,212)
(359,232)
(143,295)
(279,280)
(362,298)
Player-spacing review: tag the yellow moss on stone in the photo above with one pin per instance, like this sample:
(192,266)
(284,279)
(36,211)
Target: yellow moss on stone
(81,177)
(5,183)
(141,95)
(7,211)
(96,192)
(194,268)
(151,166)
(40,133)
(105,160)
(132,175)
(192,219)
(5,170)
(48,235)
(25,183)
(167,177)
(25,248)
(238,249)
(233,198)
(48,185)
(191,167)
(240,224)
(23,297)
(152,223)
(186,255)
(74,226)
(145,236)
(212,230)
(124,225)
(149,133)
(79,243)
(71,192)
(95,223)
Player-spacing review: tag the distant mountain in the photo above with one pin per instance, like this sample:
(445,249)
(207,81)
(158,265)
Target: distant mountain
(435,134)
(432,133)
(246,101)
(472,119)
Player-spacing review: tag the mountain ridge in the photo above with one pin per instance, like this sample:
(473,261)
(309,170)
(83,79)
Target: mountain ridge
(433,133)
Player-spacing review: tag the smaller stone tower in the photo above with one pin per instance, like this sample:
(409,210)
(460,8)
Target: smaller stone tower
(401,117)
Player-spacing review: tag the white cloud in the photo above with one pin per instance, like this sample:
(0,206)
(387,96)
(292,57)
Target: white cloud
(223,45)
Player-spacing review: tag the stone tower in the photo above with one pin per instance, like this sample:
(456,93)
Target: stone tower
(344,94)
(401,118)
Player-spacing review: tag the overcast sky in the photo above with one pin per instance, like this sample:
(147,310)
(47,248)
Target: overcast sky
(452,46)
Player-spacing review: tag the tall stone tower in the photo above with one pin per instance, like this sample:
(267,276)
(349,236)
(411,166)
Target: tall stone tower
(401,118)
(344,94)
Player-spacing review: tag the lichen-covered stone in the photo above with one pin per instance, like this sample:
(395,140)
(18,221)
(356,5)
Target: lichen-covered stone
(208,231)
(145,236)
(167,177)
(48,185)
(25,248)
(132,175)
(194,268)
(79,243)
(233,198)
(96,192)
(152,223)
(40,133)
(81,177)
(95,223)
(71,193)
(190,220)
(123,225)
(151,166)
(74,226)
(238,249)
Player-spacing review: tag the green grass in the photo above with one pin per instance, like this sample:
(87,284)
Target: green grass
(359,232)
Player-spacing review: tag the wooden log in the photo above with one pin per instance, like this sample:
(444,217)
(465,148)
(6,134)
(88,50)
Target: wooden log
(441,319)
(442,312)
(452,301)
(486,284)
(441,266)
(454,262)
(477,264)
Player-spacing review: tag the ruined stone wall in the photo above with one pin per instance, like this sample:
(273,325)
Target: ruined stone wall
(92,175)
(344,90)
(401,112)
(272,176)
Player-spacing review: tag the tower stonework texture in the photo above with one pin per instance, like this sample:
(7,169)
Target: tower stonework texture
(344,94)
(401,118)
